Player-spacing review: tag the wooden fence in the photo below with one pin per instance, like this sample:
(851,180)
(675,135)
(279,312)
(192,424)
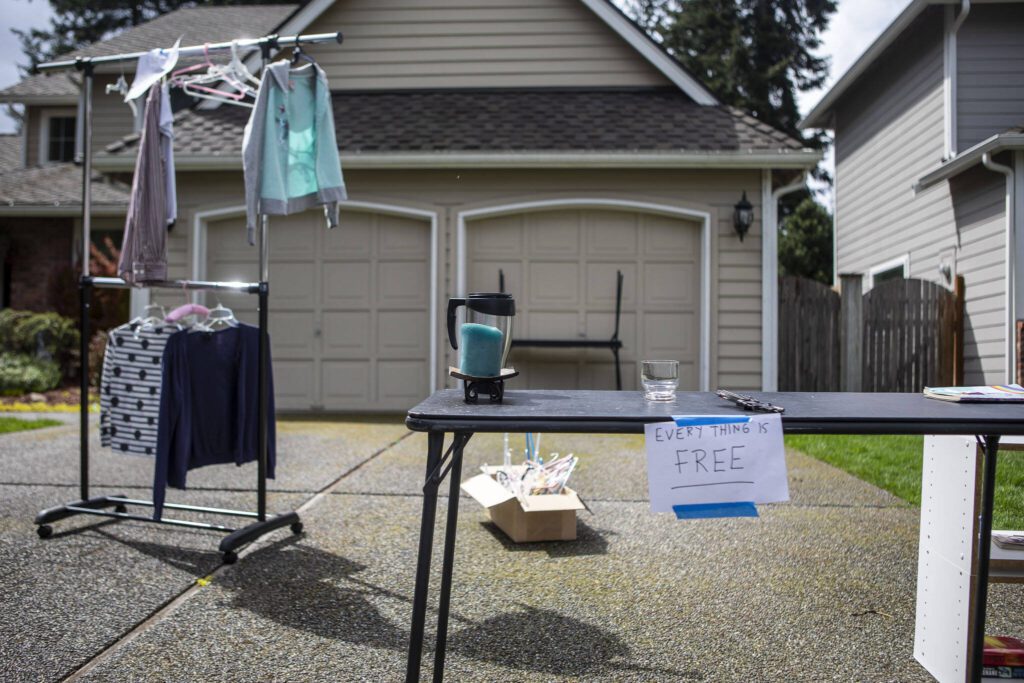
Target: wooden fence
(808,335)
(910,334)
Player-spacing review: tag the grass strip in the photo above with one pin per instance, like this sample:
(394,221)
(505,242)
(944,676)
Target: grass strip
(893,463)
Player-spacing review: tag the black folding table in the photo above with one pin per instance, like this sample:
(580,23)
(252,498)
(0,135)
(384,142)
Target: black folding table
(625,412)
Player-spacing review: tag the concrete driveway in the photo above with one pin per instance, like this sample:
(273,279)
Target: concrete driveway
(819,589)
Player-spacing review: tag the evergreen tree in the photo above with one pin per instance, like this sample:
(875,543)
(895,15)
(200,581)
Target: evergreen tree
(752,54)
(805,242)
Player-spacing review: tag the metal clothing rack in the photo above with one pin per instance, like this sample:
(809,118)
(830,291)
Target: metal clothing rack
(100,505)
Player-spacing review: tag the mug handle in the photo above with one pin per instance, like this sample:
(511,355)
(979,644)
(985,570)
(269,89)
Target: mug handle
(453,305)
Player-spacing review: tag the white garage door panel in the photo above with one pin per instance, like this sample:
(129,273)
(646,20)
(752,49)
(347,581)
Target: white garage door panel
(553,234)
(292,285)
(294,384)
(601,284)
(403,334)
(347,384)
(346,284)
(400,284)
(561,266)
(290,334)
(349,308)
(347,334)
(667,285)
(553,284)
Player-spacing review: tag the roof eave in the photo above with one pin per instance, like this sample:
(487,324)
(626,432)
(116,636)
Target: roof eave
(792,159)
(40,100)
(968,158)
(70,210)
(818,117)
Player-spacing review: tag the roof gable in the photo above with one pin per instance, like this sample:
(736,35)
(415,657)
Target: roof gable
(397,44)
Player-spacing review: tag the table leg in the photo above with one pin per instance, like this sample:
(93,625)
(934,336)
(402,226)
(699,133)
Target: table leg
(990,444)
(449,555)
(435,444)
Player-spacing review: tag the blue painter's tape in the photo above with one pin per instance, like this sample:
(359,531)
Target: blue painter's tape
(685,421)
(709,510)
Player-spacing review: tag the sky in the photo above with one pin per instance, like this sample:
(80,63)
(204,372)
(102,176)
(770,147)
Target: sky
(854,26)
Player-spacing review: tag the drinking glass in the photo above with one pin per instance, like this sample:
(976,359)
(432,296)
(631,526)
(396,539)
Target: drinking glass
(659,379)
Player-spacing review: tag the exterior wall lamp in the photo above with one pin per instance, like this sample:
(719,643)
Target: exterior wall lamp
(743,216)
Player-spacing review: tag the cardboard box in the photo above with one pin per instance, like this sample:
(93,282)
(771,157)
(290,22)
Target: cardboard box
(544,518)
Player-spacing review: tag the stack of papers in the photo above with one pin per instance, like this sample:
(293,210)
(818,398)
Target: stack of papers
(1012,393)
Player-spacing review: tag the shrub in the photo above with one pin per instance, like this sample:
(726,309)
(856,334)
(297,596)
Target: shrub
(21,373)
(47,336)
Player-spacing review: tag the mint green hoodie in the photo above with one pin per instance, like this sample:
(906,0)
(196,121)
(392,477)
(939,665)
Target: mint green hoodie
(289,150)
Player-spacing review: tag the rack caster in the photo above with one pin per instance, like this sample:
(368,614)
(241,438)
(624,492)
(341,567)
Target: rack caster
(296,528)
(120,508)
(230,557)
(44,530)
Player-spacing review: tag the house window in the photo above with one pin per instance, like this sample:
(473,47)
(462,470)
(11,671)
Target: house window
(895,269)
(60,141)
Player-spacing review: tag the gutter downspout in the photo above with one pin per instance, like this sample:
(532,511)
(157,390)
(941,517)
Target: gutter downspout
(949,63)
(770,276)
(986,160)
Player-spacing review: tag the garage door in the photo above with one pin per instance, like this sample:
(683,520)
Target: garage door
(561,265)
(349,308)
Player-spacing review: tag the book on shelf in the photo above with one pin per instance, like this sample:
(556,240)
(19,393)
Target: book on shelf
(999,393)
(1009,541)
(1003,651)
(1002,673)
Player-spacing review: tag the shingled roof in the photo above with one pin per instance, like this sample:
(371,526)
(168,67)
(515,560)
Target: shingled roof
(196,25)
(57,186)
(543,120)
(10,152)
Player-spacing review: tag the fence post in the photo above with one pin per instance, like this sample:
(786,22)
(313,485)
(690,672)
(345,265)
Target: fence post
(851,311)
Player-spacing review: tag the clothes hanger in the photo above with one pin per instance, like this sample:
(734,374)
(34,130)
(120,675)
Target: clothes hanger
(299,54)
(239,67)
(121,88)
(212,73)
(220,318)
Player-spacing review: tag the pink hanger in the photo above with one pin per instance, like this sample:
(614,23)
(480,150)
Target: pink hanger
(188,309)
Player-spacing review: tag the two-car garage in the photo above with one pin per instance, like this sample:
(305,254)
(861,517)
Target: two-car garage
(354,311)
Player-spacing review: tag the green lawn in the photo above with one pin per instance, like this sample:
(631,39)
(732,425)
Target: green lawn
(16,424)
(893,463)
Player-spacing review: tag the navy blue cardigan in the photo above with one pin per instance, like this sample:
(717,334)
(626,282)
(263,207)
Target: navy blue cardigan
(209,405)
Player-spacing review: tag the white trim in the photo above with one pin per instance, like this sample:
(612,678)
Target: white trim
(705,242)
(1008,269)
(952,24)
(770,276)
(769,287)
(795,160)
(892,263)
(202,218)
(672,70)
(1018,228)
(44,132)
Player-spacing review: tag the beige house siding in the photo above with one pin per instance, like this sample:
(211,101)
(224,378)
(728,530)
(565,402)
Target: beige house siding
(465,43)
(735,292)
(980,199)
(990,72)
(111,117)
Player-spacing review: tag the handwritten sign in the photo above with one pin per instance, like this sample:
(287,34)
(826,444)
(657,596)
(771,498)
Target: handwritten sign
(723,459)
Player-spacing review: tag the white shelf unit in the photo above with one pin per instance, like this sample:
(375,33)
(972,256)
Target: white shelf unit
(950,499)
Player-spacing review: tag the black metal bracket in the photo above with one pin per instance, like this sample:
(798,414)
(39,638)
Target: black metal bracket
(494,388)
(459,441)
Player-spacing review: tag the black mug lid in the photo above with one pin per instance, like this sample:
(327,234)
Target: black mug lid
(491,303)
